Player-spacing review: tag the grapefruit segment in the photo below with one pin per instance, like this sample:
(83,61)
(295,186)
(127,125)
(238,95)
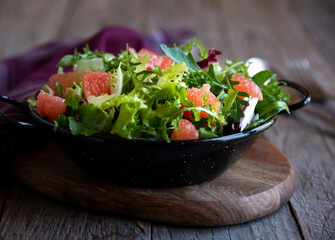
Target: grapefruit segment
(50,106)
(194,95)
(167,62)
(67,80)
(96,83)
(248,86)
(153,60)
(187,131)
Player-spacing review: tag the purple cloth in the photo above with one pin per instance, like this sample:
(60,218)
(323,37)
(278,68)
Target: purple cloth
(22,75)
(37,65)
(29,71)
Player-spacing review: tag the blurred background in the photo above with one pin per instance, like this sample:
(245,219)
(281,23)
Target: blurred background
(273,30)
(238,28)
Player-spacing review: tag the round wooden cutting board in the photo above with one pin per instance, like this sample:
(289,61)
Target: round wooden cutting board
(257,185)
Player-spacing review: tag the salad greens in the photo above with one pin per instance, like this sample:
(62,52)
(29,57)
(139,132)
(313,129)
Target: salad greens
(148,100)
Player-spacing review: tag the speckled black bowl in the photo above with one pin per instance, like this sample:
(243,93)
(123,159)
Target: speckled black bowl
(152,164)
(157,163)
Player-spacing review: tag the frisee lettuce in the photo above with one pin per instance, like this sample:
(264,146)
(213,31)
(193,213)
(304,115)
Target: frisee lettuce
(149,104)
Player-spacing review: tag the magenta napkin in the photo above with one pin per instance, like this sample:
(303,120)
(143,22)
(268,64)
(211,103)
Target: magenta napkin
(30,70)
(22,75)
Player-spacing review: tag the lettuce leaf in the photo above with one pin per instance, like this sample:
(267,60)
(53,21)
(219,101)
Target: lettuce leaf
(149,105)
(173,74)
(115,83)
(95,64)
(127,124)
(76,90)
(91,120)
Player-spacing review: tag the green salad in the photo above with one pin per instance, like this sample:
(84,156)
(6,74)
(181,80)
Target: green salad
(184,94)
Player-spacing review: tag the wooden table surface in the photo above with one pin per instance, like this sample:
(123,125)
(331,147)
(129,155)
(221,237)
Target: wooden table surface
(275,30)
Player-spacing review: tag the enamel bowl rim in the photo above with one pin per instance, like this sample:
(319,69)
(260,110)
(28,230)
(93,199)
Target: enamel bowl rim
(231,137)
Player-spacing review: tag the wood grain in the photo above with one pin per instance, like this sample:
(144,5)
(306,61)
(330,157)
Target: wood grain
(19,34)
(313,201)
(275,30)
(259,184)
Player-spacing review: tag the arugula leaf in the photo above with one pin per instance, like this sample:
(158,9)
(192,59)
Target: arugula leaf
(186,48)
(238,114)
(272,108)
(274,99)
(202,51)
(217,86)
(59,89)
(272,91)
(238,67)
(203,133)
(199,78)
(195,42)
(254,124)
(177,55)
(229,101)
(232,105)
(261,77)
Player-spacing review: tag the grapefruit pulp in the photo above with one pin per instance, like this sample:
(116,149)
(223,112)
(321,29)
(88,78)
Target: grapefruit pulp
(194,95)
(187,131)
(50,106)
(248,86)
(96,83)
(67,80)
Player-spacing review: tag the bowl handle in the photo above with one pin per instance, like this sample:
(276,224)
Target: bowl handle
(5,118)
(305,99)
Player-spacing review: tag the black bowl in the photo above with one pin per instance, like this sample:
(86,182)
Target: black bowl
(156,163)
(140,163)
